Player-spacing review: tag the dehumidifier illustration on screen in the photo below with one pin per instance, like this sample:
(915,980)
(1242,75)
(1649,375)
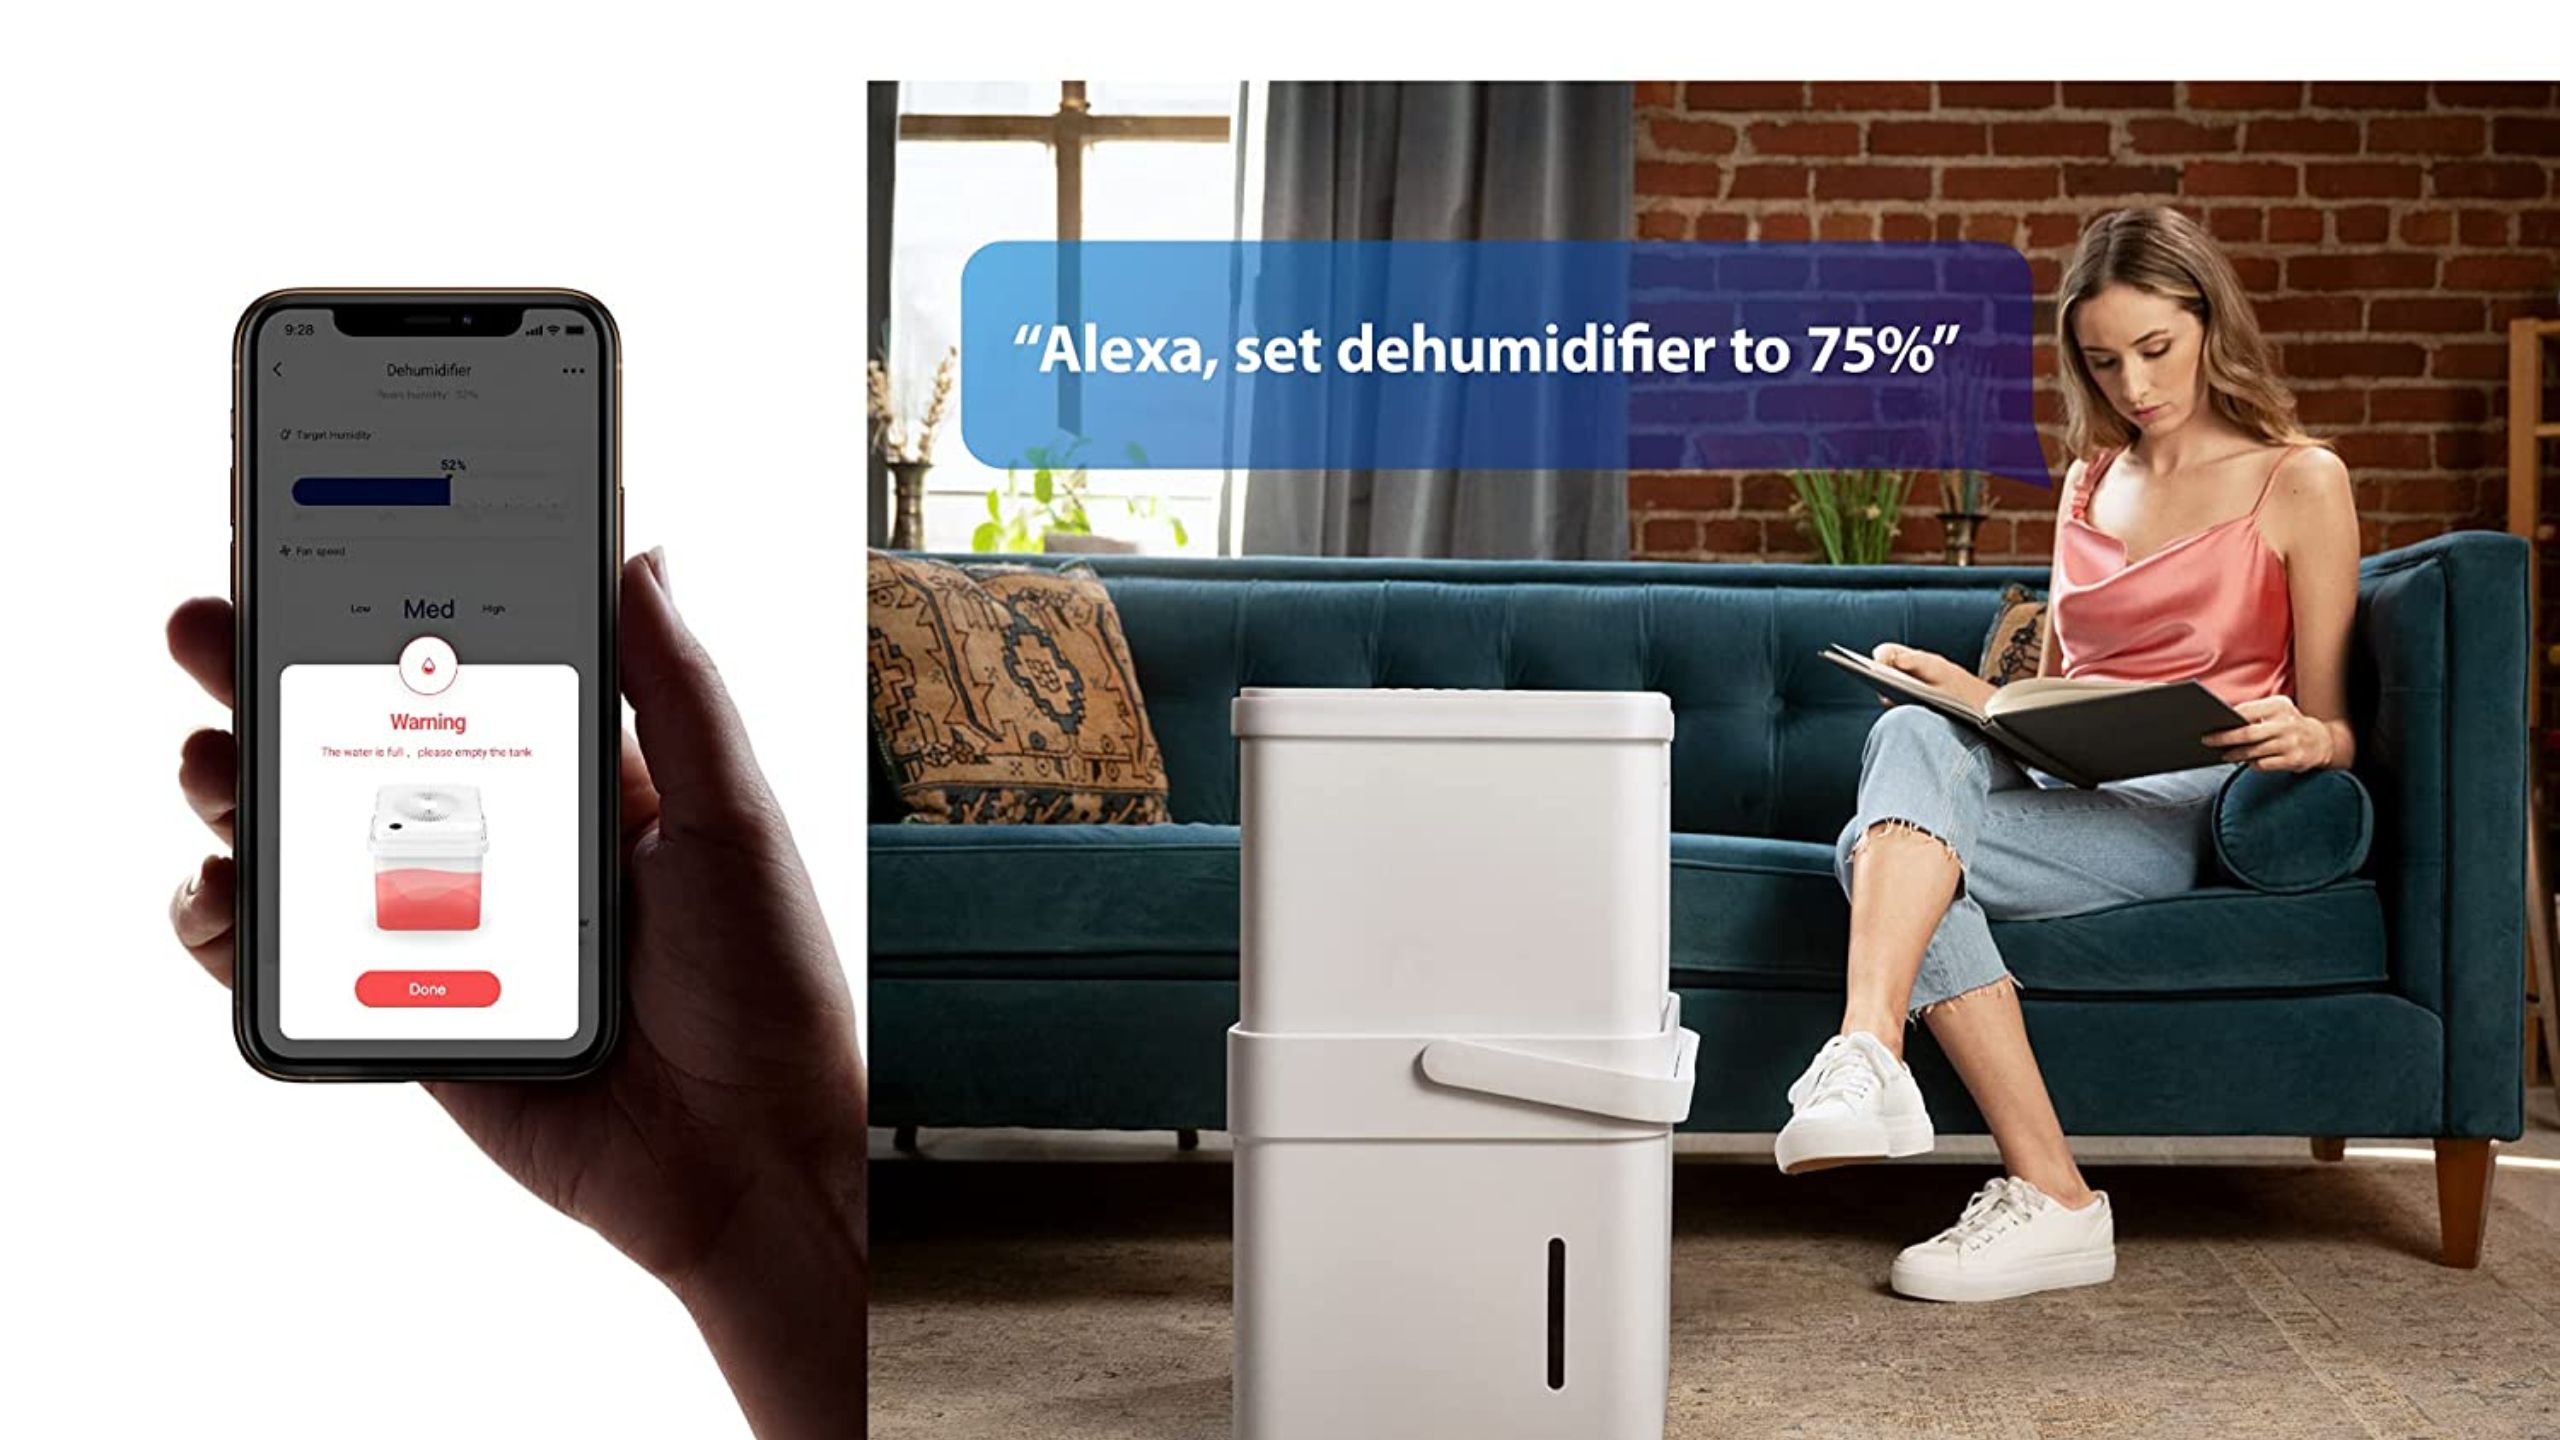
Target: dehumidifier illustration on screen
(428,843)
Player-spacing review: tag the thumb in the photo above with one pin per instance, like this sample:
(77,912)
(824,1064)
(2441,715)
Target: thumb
(696,748)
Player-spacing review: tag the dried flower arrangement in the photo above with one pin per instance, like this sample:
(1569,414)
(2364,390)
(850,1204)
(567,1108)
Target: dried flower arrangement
(890,432)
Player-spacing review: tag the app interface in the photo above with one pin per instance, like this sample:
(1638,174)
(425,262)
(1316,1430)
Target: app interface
(424,551)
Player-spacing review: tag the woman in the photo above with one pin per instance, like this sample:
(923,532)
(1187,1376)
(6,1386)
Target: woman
(2199,535)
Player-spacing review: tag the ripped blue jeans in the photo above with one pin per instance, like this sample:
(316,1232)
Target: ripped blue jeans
(2030,845)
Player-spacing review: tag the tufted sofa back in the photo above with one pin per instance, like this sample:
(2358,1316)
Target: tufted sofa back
(1767,734)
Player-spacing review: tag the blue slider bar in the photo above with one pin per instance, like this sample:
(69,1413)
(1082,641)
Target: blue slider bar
(373,490)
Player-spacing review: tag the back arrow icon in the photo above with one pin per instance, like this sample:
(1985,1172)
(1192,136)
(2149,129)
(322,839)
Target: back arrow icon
(279,369)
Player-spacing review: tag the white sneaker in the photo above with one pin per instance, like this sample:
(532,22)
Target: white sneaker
(1854,1102)
(2012,1239)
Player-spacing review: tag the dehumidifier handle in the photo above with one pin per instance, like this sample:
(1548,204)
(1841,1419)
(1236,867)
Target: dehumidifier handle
(1650,1099)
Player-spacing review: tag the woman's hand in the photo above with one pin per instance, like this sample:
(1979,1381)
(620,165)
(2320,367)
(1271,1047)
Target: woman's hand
(722,1146)
(2278,737)
(1935,671)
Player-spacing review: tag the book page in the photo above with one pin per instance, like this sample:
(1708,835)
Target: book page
(2053,690)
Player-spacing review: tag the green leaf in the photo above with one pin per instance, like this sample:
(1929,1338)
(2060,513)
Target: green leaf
(1181,536)
(1137,453)
(1043,486)
(986,537)
(995,506)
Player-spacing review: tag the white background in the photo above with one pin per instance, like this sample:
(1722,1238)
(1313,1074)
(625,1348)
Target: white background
(528,931)
(193,1250)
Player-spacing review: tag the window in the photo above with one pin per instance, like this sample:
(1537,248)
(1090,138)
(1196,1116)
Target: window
(1008,160)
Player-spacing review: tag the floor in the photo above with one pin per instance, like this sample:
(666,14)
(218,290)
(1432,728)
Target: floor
(1071,1284)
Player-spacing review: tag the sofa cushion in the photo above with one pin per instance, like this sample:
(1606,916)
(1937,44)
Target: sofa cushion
(1770,912)
(1004,694)
(1151,1054)
(1161,901)
(2291,831)
(1059,891)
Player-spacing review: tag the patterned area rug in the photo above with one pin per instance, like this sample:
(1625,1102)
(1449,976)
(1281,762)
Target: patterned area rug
(1065,1300)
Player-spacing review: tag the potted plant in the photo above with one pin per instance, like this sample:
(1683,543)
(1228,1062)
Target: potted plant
(1045,504)
(1852,515)
(908,451)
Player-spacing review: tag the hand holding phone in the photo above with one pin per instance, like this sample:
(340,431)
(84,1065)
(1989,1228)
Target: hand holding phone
(721,1147)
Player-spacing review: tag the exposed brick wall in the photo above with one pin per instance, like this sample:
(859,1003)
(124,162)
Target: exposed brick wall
(2387,232)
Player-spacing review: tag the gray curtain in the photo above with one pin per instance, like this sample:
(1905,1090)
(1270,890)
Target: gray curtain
(1446,161)
(883,137)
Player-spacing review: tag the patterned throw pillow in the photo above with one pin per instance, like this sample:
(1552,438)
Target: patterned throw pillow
(2014,648)
(1004,695)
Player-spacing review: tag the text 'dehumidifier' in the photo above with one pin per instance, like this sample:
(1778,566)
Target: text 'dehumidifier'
(428,844)
(1457,1065)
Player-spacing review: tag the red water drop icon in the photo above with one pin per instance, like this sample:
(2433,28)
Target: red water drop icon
(427,666)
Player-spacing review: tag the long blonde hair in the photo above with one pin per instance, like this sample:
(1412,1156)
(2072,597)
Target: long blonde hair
(2161,252)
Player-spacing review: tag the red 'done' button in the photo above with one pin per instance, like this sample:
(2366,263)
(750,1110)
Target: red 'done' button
(427,989)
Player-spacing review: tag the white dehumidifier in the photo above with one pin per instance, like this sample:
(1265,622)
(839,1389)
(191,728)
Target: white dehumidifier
(1457,1067)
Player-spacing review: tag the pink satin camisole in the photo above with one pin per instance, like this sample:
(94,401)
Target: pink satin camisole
(2211,606)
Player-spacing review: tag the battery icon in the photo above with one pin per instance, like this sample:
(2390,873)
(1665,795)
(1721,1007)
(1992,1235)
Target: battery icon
(577,329)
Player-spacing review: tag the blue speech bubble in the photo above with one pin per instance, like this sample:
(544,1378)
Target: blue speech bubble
(1501,355)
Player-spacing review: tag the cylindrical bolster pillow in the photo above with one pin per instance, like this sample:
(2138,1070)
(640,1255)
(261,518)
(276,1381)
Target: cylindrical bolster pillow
(2287,831)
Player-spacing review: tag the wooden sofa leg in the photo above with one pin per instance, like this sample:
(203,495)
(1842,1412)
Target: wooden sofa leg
(904,1140)
(2464,1169)
(2328,1147)
(1186,1140)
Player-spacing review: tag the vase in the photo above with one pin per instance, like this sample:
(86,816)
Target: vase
(1961,526)
(906,530)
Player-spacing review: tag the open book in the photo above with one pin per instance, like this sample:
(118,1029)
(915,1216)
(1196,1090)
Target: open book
(2085,731)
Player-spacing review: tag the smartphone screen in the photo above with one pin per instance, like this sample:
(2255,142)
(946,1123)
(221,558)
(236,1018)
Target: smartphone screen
(430,721)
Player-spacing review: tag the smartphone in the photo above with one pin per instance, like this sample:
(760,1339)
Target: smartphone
(426,511)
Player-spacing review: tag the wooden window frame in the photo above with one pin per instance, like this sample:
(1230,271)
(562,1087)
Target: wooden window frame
(1067,131)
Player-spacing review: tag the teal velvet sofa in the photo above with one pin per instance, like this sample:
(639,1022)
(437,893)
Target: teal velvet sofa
(1085,976)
